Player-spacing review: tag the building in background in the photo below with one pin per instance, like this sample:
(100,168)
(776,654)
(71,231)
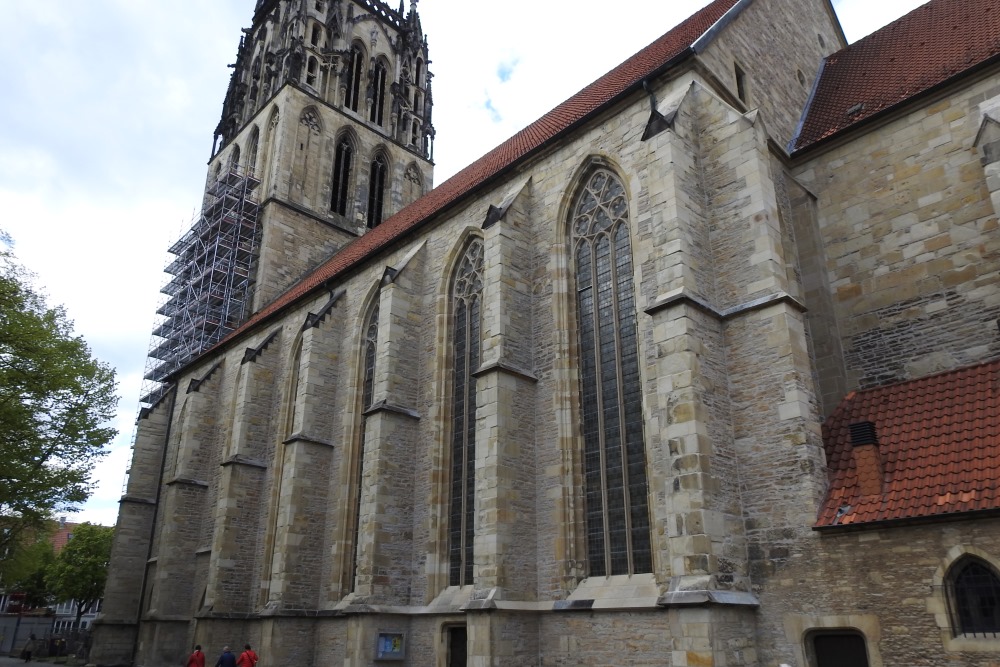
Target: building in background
(700,368)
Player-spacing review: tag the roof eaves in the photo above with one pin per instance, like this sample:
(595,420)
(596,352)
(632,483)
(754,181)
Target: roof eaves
(913,99)
(805,111)
(906,521)
(444,208)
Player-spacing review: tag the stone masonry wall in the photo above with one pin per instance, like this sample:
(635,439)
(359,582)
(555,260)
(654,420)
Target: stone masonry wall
(911,241)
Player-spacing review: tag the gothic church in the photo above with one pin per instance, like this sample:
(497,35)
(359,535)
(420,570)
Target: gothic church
(700,369)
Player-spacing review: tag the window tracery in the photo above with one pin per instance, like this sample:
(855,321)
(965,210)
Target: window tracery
(369,351)
(467,292)
(615,489)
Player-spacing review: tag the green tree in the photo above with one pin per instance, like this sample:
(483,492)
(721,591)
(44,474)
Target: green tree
(29,576)
(55,404)
(24,572)
(81,568)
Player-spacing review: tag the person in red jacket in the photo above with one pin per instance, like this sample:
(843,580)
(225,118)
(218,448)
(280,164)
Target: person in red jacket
(197,658)
(248,658)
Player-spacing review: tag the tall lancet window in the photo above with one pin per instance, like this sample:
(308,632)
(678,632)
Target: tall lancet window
(354,71)
(253,144)
(617,512)
(342,160)
(369,350)
(377,84)
(467,291)
(376,190)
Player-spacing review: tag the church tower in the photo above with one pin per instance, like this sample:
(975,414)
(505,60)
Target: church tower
(325,132)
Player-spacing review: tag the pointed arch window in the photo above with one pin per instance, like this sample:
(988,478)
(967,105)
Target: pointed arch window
(376,190)
(467,290)
(974,598)
(312,71)
(377,112)
(369,350)
(343,158)
(354,71)
(617,513)
(253,145)
(234,160)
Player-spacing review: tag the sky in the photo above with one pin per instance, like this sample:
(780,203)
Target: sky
(109,108)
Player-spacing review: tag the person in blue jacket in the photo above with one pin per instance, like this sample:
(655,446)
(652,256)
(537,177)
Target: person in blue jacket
(227,659)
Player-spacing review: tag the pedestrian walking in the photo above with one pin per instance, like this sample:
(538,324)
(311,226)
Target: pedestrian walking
(248,658)
(29,647)
(227,659)
(197,658)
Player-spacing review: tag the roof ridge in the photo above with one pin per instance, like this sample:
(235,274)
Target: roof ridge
(582,105)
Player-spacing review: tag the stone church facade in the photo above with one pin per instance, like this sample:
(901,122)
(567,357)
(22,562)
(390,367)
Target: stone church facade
(701,368)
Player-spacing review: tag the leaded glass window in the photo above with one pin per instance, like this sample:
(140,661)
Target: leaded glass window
(369,349)
(467,294)
(975,598)
(617,512)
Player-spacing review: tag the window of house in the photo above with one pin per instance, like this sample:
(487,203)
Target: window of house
(974,598)
(355,69)
(369,349)
(741,83)
(467,290)
(376,114)
(376,190)
(837,648)
(617,514)
(234,160)
(316,34)
(342,159)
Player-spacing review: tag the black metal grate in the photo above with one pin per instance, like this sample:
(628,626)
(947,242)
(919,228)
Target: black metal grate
(974,597)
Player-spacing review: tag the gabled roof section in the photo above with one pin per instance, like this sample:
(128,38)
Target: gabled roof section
(939,445)
(928,47)
(669,49)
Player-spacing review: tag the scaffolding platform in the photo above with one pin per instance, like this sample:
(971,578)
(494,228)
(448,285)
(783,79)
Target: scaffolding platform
(212,285)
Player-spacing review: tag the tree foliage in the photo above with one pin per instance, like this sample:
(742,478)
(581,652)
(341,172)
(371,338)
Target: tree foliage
(55,404)
(28,577)
(80,570)
(25,571)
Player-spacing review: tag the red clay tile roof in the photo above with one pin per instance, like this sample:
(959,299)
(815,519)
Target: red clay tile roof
(939,441)
(927,47)
(590,100)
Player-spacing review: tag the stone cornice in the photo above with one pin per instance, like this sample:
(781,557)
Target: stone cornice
(386,406)
(682,298)
(302,437)
(501,366)
(240,460)
(187,481)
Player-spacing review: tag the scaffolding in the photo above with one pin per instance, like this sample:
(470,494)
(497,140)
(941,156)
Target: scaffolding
(213,271)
